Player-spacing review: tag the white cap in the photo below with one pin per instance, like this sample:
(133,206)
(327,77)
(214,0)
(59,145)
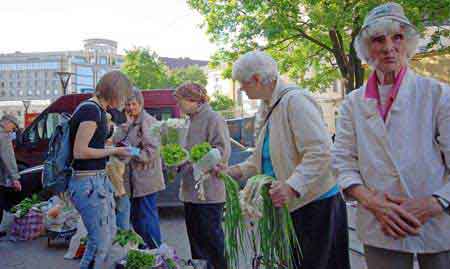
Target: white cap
(390,10)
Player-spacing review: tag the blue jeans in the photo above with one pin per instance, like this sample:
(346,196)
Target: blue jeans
(123,212)
(93,197)
(145,219)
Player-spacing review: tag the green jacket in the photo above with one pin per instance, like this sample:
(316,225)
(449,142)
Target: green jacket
(8,165)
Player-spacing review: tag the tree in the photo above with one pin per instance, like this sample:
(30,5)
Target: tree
(312,40)
(221,102)
(191,73)
(145,70)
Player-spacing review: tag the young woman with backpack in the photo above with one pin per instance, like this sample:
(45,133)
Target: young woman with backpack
(90,190)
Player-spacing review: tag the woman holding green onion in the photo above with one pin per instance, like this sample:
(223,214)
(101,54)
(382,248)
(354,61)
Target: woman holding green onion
(203,216)
(294,148)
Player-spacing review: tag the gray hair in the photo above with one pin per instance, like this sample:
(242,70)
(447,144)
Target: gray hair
(385,26)
(255,62)
(136,94)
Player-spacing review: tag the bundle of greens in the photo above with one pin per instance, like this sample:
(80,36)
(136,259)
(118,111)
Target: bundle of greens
(173,154)
(139,260)
(234,222)
(199,151)
(124,237)
(25,206)
(278,241)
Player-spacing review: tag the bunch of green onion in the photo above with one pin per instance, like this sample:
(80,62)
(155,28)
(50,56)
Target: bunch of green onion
(234,222)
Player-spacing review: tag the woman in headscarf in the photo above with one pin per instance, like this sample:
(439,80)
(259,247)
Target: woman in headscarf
(204,216)
(392,149)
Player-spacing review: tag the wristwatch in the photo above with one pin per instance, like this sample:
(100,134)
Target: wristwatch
(444,203)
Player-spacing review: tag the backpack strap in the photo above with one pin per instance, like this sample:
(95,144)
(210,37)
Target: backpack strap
(99,109)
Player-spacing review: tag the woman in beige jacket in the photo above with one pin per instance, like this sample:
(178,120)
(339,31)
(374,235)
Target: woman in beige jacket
(294,147)
(143,177)
(392,150)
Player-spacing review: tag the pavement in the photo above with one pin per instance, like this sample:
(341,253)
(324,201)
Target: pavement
(36,254)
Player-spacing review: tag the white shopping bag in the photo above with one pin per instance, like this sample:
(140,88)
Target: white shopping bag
(202,169)
(75,240)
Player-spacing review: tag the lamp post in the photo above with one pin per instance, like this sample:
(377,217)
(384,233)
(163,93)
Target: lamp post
(26,105)
(64,78)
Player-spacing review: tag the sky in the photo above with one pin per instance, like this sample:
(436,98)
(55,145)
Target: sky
(169,27)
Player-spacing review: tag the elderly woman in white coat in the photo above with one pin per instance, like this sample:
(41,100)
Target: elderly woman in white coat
(392,150)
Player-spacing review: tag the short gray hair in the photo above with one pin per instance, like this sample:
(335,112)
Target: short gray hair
(387,26)
(255,62)
(136,94)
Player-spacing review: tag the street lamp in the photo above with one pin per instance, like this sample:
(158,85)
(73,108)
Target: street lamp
(64,77)
(26,104)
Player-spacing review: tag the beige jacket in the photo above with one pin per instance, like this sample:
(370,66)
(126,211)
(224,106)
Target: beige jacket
(143,174)
(409,155)
(299,146)
(205,126)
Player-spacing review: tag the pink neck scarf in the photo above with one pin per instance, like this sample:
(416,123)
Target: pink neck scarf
(373,93)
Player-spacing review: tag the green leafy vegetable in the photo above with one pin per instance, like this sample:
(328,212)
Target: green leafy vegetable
(24,207)
(139,260)
(173,154)
(199,151)
(123,237)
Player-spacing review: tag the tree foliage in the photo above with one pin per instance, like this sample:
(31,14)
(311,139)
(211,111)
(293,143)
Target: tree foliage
(221,102)
(191,73)
(145,70)
(312,40)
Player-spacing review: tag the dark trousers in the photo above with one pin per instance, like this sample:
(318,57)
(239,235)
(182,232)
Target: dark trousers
(145,219)
(206,237)
(321,228)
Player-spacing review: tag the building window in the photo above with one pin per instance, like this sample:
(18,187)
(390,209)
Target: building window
(20,93)
(38,92)
(2,93)
(36,83)
(11,84)
(2,84)
(103,60)
(55,92)
(30,92)
(48,92)
(19,84)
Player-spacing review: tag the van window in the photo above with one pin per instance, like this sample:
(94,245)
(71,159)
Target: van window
(44,128)
(163,113)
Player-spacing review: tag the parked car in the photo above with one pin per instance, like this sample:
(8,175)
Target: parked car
(31,145)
